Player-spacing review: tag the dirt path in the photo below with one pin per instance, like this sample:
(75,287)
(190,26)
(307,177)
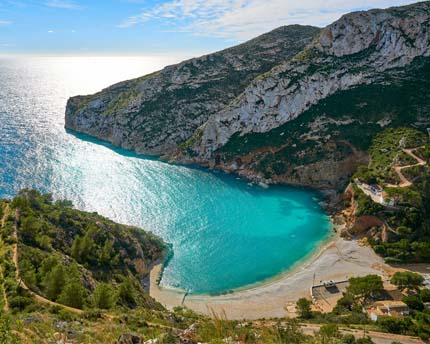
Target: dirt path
(404,182)
(24,286)
(5,300)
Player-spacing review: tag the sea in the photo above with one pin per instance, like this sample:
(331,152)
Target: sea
(225,233)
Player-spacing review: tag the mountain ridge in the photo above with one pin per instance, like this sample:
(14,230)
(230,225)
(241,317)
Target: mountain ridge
(367,51)
(153,114)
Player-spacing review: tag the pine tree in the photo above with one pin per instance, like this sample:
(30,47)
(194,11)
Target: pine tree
(54,282)
(76,250)
(127,294)
(73,295)
(103,296)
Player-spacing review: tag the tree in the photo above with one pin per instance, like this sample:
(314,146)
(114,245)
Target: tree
(303,307)
(407,280)
(328,333)
(395,325)
(54,282)
(30,227)
(105,255)
(103,296)
(425,295)
(362,289)
(414,302)
(48,264)
(73,295)
(126,294)
(76,249)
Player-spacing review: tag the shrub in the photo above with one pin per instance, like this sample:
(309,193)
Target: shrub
(303,307)
(407,279)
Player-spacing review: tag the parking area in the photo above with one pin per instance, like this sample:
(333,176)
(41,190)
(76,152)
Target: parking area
(325,296)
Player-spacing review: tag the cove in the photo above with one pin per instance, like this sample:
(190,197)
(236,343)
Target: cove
(224,232)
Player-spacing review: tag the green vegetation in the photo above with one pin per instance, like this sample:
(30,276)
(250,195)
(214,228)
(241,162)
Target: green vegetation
(363,289)
(76,258)
(386,151)
(304,308)
(397,98)
(409,218)
(69,257)
(363,292)
(407,280)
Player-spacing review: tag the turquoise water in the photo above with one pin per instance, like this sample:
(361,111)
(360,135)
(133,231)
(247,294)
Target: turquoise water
(225,233)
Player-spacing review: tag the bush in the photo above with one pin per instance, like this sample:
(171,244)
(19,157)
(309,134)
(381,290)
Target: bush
(66,315)
(414,302)
(303,307)
(103,296)
(407,279)
(395,325)
(19,303)
(425,295)
(92,314)
(73,295)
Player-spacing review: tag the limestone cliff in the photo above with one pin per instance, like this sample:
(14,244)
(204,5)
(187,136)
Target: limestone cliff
(350,52)
(298,105)
(155,113)
(310,120)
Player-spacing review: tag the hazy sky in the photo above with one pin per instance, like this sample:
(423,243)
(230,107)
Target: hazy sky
(155,26)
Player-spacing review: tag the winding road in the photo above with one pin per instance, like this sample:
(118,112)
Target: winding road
(404,182)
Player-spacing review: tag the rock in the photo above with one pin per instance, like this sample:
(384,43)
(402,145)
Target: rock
(358,46)
(151,341)
(131,339)
(155,113)
(32,319)
(260,109)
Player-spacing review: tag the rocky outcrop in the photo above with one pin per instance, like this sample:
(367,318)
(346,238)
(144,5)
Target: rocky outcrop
(350,52)
(298,105)
(155,113)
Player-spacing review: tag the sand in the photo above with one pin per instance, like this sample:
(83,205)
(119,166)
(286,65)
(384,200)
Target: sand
(338,260)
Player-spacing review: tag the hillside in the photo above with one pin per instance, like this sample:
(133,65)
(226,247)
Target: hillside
(310,120)
(394,189)
(155,113)
(68,276)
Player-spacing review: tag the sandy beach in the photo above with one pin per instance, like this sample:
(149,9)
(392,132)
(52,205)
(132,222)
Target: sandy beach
(340,259)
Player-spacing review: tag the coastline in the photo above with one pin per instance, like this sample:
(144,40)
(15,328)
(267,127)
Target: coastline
(335,259)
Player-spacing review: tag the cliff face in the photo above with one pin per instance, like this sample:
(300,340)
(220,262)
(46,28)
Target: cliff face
(310,120)
(350,52)
(283,108)
(155,113)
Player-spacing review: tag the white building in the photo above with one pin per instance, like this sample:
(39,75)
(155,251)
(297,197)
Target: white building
(381,309)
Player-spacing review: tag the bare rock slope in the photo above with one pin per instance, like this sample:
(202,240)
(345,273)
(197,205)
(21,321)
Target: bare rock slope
(297,105)
(155,113)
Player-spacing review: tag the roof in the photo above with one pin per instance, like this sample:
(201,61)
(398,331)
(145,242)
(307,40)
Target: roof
(390,303)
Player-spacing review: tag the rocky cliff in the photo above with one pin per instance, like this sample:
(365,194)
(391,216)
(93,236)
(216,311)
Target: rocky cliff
(155,113)
(310,120)
(307,120)
(350,52)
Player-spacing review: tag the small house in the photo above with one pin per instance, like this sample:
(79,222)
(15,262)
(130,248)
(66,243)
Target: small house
(380,309)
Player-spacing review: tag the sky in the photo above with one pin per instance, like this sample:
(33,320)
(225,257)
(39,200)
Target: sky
(151,27)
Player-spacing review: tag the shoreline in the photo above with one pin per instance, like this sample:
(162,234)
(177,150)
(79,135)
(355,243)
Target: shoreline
(335,259)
